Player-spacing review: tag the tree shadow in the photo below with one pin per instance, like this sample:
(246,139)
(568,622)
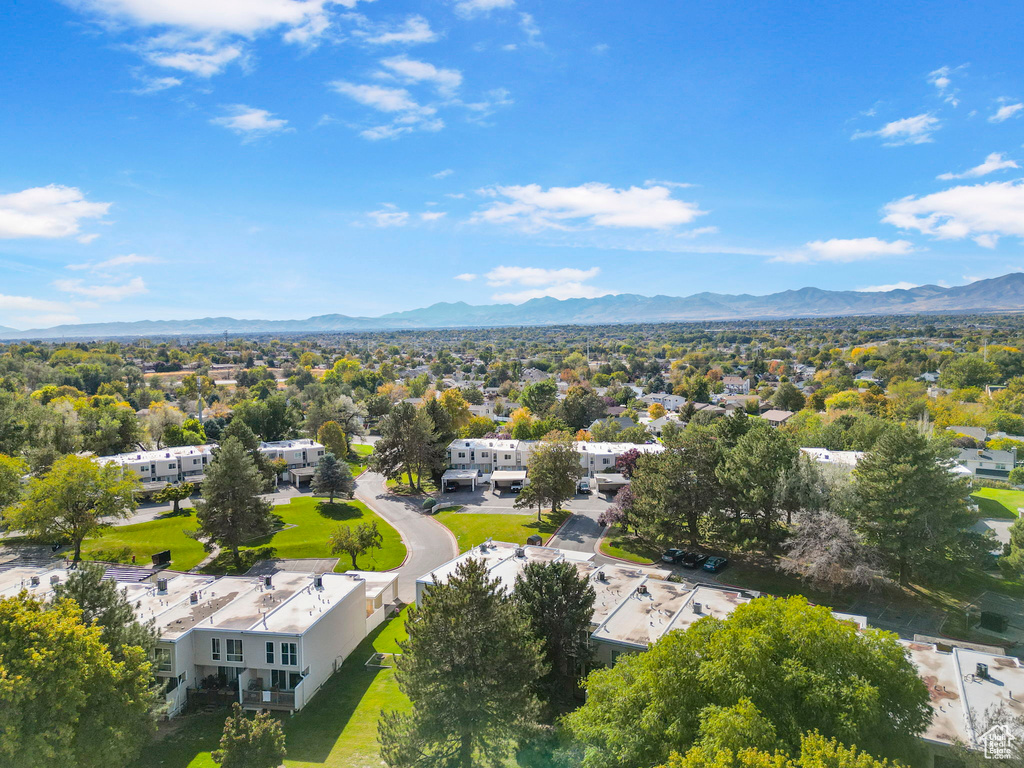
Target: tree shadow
(180,513)
(338,511)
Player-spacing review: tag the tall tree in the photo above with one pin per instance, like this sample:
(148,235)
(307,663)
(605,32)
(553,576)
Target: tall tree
(232,510)
(456,407)
(554,469)
(559,604)
(250,742)
(580,408)
(332,478)
(910,507)
(406,443)
(799,667)
(175,494)
(815,752)
(540,396)
(470,681)
(356,540)
(77,498)
(12,469)
(333,438)
(787,397)
(65,700)
(829,553)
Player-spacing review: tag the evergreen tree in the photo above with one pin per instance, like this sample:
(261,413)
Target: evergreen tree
(559,604)
(469,668)
(231,510)
(332,478)
(250,742)
(910,507)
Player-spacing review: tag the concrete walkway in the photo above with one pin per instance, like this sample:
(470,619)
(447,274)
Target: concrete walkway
(429,543)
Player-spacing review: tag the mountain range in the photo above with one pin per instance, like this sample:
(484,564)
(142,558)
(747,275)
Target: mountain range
(998,294)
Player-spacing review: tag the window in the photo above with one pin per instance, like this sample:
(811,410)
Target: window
(462,454)
(279,679)
(289,654)
(215,653)
(270,653)
(234,650)
(483,455)
(162,656)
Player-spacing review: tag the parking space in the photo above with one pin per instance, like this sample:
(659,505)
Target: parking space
(485,500)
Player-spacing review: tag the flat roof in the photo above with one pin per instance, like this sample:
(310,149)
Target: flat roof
(376,581)
(460,474)
(508,474)
(645,614)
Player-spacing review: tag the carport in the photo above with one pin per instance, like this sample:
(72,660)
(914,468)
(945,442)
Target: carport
(610,482)
(505,478)
(460,477)
(301,475)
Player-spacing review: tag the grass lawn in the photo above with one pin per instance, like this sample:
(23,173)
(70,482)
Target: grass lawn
(399,486)
(363,453)
(471,528)
(307,526)
(118,544)
(998,502)
(625,547)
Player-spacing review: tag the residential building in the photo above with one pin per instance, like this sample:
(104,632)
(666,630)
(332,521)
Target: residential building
(736,385)
(839,458)
(671,402)
(776,417)
(622,422)
(985,463)
(158,469)
(487,456)
(272,640)
(978,433)
(301,455)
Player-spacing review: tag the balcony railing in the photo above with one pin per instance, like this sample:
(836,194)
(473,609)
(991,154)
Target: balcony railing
(269,699)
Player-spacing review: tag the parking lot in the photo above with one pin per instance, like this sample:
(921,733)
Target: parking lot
(485,501)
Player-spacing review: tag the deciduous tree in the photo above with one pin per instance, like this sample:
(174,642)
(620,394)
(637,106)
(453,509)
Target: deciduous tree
(356,540)
(554,469)
(174,494)
(250,742)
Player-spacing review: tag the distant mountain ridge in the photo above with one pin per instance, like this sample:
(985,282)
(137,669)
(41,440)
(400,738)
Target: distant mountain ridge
(996,294)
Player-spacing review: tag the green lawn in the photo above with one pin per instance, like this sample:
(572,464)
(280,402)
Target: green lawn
(471,528)
(400,487)
(625,547)
(118,544)
(363,452)
(307,524)
(998,502)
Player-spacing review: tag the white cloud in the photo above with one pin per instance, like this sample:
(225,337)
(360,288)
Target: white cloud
(447,81)
(29,304)
(388,215)
(102,292)
(156,84)
(466,277)
(900,286)
(670,184)
(599,48)
(530,29)
(378,97)
(996,161)
(535,282)
(442,174)
(250,122)
(413,30)
(432,215)
(469,8)
(910,130)
(456,195)
(593,204)
(47,319)
(49,212)
(844,251)
(204,57)
(981,210)
(941,78)
(86,239)
(115,261)
(1005,112)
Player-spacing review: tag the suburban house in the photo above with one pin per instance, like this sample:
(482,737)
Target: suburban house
(846,459)
(671,402)
(270,641)
(978,433)
(657,426)
(985,463)
(158,469)
(736,385)
(622,422)
(302,456)
(597,458)
(635,607)
(777,418)
(533,375)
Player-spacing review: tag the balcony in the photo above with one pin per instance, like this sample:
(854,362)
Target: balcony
(269,699)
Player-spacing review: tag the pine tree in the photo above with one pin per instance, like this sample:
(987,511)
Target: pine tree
(909,506)
(231,510)
(469,667)
(250,742)
(332,478)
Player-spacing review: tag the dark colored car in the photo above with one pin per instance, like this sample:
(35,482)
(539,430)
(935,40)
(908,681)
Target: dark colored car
(672,555)
(450,487)
(715,564)
(693,560)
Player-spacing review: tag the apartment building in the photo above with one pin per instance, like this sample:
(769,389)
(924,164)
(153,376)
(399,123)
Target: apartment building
(299,454)
(487,456)
(273,641)
(157,469)
(985,463)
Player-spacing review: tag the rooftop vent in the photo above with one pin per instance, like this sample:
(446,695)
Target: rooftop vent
(318,581)
(161,586)
(982,671)
(642,589)
(194,598)
(34,581)
(268,582)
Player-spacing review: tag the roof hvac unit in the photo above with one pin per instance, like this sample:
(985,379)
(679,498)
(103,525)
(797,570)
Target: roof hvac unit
(981,670)
(194,598)
(697,608)
(520,552)
(642,589)
(34,581)
(268,582)
(600,575)
(161,585)
(318,581)
(55,579)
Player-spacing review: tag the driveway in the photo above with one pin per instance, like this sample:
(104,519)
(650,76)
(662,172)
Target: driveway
(429,543)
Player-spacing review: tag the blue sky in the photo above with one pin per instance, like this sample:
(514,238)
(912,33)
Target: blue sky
(168,159)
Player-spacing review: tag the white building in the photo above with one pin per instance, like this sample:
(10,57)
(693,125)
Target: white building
(272,641)
(840,458)
(670,402)
(156,469)
(298,453)
(487,456)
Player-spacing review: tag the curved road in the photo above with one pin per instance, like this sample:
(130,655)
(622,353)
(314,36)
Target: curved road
(429,543)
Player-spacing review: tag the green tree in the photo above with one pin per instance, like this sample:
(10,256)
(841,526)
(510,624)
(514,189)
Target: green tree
(559,604)
(554,469)
(76,499)
(232,510)
(64,698)
(815,752)
(540,396)
(406,444)
(250,742)
(787,397)
(802,669)
(333,438)
(332,478)
(274,418)
(357,540)
(175,494)
(580,408)
(470,681)
(106,606)
(478,426)
(968,371)
(1017,475)
(456,406)
(910,507)
(12,469)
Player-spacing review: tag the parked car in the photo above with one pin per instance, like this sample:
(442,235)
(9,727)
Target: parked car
(693,560)
(450,487)
(516,487)
(715,564)
(672,555)
(583,486)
